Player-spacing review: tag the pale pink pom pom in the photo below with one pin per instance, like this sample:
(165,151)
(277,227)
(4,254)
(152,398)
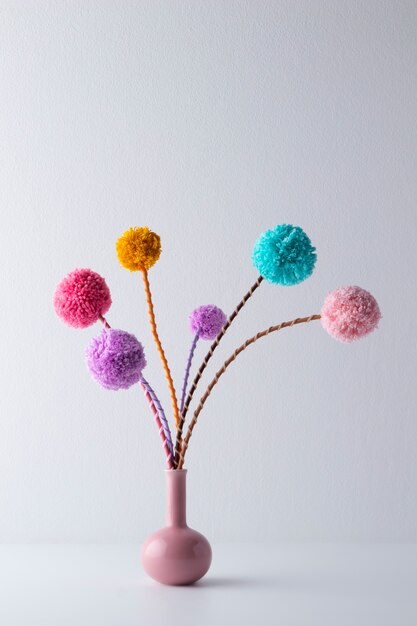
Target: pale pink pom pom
(350,313)
(81,297)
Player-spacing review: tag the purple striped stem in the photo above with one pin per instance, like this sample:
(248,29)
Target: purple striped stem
(187,369)
(167,451)
(145,385)
(158,412)
(203,366)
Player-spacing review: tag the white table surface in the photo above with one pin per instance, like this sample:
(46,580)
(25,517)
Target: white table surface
(256,584)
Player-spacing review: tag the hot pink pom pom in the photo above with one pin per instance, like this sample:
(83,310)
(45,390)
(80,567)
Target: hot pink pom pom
(81,297)
(350,313)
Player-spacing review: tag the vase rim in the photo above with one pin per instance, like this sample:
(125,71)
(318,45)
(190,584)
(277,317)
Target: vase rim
(179,471)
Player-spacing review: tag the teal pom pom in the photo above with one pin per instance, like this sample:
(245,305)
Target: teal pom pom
(284,255)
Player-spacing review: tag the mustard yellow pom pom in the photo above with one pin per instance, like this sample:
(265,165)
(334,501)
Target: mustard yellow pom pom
(138,249)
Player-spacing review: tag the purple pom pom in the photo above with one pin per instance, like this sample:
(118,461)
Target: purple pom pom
(115,359)
(207,320)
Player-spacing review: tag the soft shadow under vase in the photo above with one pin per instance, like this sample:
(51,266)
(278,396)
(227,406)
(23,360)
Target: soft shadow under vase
(176,554)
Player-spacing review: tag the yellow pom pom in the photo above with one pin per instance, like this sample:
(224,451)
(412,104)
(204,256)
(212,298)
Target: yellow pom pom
(138,249)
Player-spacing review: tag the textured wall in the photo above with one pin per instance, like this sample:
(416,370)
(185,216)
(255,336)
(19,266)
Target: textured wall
(209,121)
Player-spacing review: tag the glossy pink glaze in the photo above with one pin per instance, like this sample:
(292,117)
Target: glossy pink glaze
(176,554)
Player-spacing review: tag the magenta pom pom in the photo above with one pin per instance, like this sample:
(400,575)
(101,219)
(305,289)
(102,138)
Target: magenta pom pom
(207,320)
(115,359)
(350,313)
(81,298)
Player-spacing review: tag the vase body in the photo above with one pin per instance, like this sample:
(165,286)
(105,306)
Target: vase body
(176,554)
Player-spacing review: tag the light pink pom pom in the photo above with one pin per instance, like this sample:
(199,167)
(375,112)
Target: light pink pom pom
(81,297)
(350,313)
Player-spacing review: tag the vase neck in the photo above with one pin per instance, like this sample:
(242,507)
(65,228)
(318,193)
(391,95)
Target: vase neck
(176,497)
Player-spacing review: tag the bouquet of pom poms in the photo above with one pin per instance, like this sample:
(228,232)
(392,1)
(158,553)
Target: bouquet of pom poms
(282,256)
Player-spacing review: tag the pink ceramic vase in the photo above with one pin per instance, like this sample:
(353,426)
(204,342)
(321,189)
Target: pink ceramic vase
(176,554)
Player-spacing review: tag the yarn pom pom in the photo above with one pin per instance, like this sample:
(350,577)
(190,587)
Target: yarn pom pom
(81,297)
(350,313)
(115,359)
(138,249)
(207,320)
(284,255)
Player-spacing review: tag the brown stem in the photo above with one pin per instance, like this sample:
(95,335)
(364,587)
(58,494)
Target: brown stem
(221,371)
(203,366)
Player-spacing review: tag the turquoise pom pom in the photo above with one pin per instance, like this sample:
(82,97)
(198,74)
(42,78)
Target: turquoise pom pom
(284,255)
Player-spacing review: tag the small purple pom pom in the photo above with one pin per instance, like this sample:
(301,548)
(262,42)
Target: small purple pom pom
(207,320)
(115,359)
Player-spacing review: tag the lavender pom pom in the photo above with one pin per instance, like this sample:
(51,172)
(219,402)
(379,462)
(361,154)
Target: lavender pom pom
(115,359)
(207,320)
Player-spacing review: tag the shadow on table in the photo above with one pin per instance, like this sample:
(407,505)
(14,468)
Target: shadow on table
(235,582)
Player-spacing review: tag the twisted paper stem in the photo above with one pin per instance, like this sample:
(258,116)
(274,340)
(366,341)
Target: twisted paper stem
(157,410)
(203,366)
(161,429)
(160,349)
(155,400)
(221,371)
(104,321)
(187,369)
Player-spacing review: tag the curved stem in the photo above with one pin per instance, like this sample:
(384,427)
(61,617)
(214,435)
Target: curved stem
(167,451)
(104,321)
(157,410)
(186,376)
(207,358)
(160,349)
(221,371)
(146,386)
(187,369)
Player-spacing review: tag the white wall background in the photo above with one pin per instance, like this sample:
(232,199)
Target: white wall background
(209,121)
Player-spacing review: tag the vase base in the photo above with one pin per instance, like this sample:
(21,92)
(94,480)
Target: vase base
(176,555)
